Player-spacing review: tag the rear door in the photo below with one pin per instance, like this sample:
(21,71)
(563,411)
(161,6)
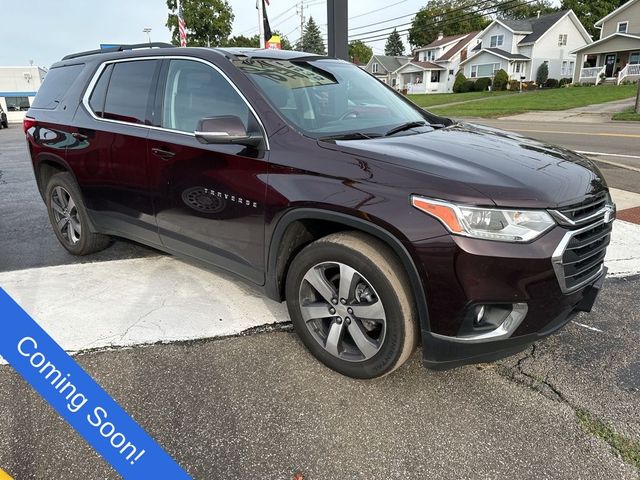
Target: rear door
(109,157)
(209,199)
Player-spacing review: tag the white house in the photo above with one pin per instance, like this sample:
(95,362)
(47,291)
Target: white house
(383,66)
(434,66)
(616,55)
(520,46)
(18,88)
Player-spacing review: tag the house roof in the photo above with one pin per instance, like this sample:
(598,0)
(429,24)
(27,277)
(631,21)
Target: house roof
(516,25)
(539,26)
(505,54)
(498,53)
(389,63)
(616,11)
(442,41)
(458,46)
(606,39)
(421,65)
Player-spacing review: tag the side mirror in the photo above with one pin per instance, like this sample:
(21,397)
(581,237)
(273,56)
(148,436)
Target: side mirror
(227,129)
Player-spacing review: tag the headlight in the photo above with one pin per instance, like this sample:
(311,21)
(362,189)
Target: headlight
(487,223)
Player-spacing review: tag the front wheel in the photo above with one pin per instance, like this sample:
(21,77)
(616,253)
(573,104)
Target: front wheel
(350,302)
(69,218)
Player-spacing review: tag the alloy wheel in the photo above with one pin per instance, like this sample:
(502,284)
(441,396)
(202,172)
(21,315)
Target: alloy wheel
(342,311)
(65,213)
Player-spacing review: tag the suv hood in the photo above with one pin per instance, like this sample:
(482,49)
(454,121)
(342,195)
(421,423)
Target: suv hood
(511,170)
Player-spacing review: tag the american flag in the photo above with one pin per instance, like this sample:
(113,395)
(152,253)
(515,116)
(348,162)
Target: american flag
(182,27)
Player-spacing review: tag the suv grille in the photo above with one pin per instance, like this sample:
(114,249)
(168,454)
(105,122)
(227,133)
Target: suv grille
(579,258)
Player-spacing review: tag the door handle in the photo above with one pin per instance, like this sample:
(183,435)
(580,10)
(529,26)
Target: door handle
(163,154)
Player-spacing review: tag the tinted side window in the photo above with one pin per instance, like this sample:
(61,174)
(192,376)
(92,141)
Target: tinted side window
(96,101)
(129,91)
(194,91)
(56,84)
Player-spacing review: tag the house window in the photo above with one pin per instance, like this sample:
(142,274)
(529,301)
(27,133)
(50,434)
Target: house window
(634,58)
(17,104)
(567,68)
(517,67)
(435,76)
(497,40)
(485,70)
(374,68)
(562,40)
(623,27)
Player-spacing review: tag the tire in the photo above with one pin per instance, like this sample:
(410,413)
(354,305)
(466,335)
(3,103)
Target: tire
(374,330)
(67,211)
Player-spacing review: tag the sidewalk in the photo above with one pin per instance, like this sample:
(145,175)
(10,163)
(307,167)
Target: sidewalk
(597,113)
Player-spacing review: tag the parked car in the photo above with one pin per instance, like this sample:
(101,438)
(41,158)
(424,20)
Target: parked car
(4,123)
(380,224)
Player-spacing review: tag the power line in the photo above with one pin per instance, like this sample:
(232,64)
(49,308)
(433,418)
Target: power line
(445,22)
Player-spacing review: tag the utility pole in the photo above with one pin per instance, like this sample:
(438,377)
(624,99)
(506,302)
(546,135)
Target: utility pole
(337,23)
(261,22)
(301,12)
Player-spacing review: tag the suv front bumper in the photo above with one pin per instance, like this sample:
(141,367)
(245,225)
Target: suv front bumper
(492,273)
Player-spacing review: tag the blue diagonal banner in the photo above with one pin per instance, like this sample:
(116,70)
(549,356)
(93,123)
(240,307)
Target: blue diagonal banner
(79,399)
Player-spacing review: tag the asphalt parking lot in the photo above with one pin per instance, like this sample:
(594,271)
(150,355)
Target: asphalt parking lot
(257,405)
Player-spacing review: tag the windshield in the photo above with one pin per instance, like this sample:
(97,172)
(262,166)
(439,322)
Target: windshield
(326,97)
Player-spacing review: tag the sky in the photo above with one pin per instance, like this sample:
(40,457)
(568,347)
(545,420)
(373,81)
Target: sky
(43,31)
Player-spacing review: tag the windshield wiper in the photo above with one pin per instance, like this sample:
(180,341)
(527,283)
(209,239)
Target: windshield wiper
(349,136)
(405,126)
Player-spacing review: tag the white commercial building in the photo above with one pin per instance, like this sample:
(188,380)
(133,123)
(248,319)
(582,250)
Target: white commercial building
(18,87)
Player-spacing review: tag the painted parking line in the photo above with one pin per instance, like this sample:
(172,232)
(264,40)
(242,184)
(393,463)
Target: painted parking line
(142,301)
(590,134)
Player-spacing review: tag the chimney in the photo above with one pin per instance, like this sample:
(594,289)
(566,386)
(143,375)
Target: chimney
(440,35)
(538,13)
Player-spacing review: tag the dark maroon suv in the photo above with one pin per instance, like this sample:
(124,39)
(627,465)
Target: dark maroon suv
(380,224)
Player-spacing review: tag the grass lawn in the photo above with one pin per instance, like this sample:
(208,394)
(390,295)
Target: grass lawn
(552,99)
(430,99)
(627,115)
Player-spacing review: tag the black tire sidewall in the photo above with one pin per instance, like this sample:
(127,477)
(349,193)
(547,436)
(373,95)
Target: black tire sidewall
(66,181)
(387,357)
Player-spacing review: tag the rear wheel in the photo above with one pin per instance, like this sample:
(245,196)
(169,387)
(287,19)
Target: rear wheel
(350,303)
(69,218)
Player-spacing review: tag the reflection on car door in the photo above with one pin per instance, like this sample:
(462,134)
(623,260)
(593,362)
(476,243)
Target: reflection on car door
(209,199)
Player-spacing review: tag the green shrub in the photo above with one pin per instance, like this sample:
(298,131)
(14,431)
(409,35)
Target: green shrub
(468,86)
(543,74)
(514,85)
(459,82)
(565,81)
(551,83)
(501,80)
(482,84)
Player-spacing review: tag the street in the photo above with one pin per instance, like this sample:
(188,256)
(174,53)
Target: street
(218,378)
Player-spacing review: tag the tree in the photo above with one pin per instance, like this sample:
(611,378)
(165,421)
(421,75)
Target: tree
(543,74)
(242,41)
(590,11)
(459,82)
(394,46)
(208,21)
(254,42)
(311,40)
(360,52)
(451,17)
(522,9)
(500,80)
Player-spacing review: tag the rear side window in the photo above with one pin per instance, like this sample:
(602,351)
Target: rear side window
(56,84)
(129,91)
(96,101)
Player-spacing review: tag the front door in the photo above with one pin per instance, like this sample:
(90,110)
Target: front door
(209,199)
(610,63)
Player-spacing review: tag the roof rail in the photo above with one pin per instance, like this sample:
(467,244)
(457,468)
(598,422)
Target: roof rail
(119,48)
